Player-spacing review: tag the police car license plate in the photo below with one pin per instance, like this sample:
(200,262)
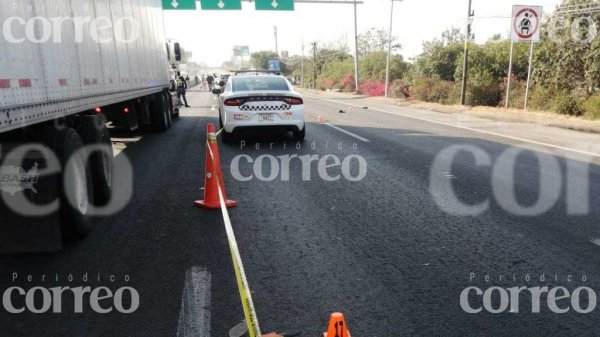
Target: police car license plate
(265,117)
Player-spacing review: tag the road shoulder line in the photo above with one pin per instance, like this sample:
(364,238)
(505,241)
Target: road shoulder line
(472,129)
(347,132)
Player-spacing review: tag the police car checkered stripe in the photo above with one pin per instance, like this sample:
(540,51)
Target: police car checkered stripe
(265,107)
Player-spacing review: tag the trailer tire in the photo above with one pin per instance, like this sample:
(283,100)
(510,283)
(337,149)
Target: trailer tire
(168,109)
(75,219)
(158,113)
(93,131)
(175,110)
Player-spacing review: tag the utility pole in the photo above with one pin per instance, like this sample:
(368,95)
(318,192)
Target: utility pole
(389,52)
(314,45)
(463,90)
(302,64)
(276,42)
(356,75)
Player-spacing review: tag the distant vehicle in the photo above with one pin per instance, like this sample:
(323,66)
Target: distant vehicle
(221,82)
(223,78)
(260,100)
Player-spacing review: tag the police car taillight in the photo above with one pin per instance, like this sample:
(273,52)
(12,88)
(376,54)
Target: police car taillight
(294,101)
(234,102)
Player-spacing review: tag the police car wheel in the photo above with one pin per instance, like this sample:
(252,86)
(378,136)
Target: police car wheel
(227,137)
(300,135)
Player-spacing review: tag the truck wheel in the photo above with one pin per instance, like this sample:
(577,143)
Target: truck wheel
(158,113)
(174,109)
(92,130)
(74,216)
(168,109)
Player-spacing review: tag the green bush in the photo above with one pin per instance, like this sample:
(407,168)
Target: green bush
(541,98)
(483,89)
(516,99)
(433,89)
(567,105)
(592,107)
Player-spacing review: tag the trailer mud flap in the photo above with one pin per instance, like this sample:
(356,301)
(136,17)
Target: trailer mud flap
(22,233)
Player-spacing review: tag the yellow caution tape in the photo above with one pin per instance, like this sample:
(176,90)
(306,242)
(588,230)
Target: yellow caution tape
(240,274)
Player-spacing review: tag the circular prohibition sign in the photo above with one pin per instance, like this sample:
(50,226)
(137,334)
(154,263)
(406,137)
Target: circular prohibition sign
(526,14)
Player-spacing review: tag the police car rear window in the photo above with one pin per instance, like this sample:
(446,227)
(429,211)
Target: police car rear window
(260,83)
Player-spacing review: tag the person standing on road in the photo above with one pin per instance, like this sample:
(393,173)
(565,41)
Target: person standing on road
(210,79)
(181,88)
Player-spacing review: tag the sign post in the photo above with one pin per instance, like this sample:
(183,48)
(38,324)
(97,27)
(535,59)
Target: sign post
(241,51)
(220,5)
(525,27)
(510,64)
(529,74)
(179,4)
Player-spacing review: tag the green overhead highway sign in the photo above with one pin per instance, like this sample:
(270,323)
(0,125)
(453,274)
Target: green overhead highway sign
(220,4)
(179,4)
(274,5)
(241,51)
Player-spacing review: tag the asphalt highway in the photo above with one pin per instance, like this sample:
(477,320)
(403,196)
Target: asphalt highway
(384,243)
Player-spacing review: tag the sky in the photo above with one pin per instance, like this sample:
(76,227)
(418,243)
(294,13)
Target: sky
(211,35)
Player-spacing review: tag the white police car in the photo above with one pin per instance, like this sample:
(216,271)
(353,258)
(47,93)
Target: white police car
(260,99)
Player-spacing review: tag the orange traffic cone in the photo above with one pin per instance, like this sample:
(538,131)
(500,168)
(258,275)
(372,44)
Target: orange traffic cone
(213,170)
(337,326)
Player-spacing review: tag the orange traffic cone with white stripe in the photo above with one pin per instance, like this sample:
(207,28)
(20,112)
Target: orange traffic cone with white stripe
(337,326)
(213,173)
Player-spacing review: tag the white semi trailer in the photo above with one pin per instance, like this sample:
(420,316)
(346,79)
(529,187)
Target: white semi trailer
(66,68)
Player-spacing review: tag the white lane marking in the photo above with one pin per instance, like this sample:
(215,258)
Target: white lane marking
(476,130)
(595,241)
(194,317)
(348,132)
(416,134)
